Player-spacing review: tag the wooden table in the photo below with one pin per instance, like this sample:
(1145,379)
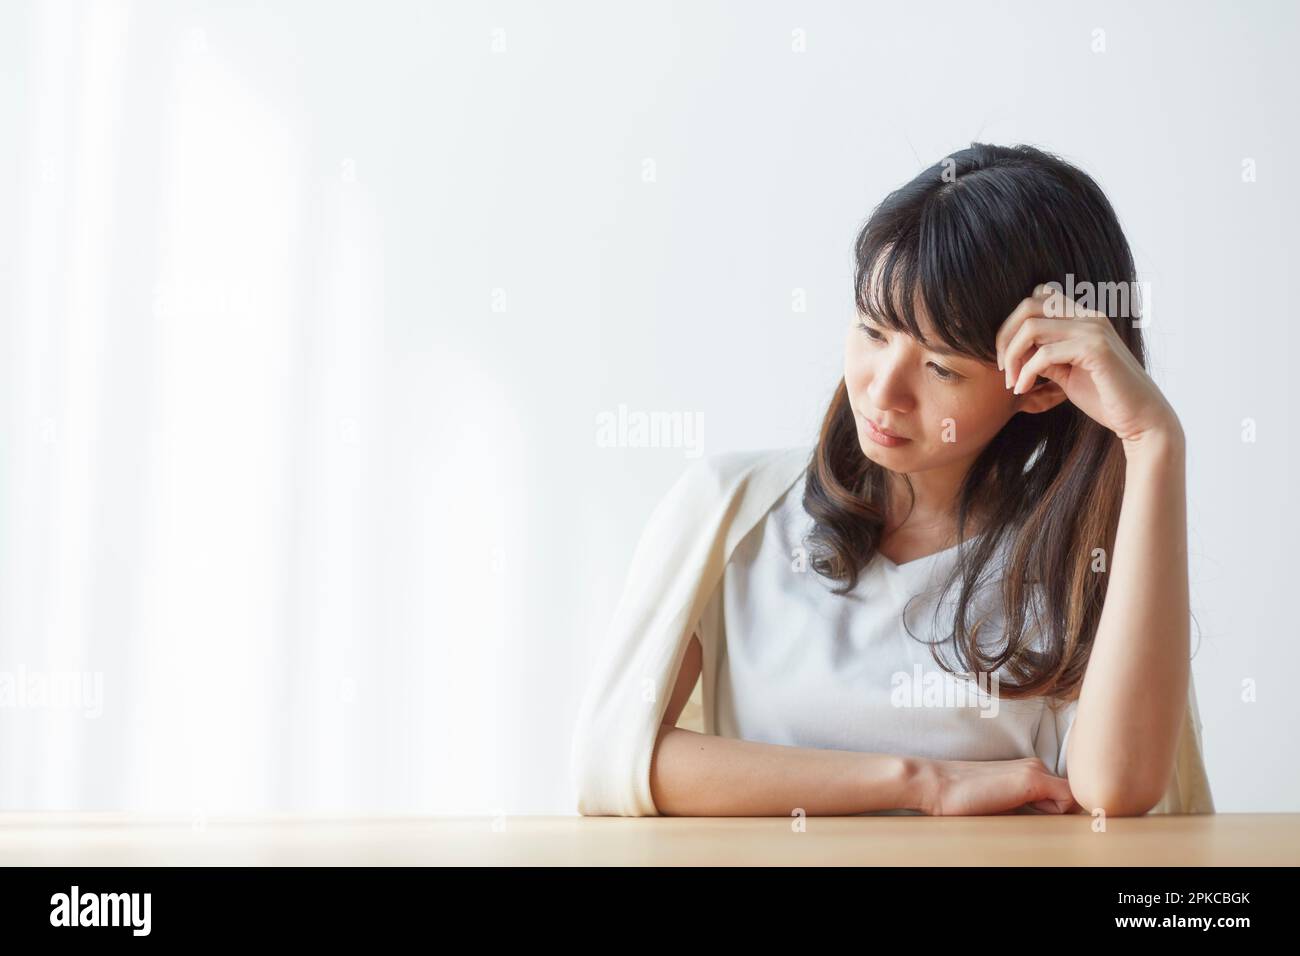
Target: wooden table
(81,839)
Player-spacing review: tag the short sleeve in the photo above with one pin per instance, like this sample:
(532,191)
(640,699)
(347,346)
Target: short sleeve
(1054,733)
(709,628)
(712,621)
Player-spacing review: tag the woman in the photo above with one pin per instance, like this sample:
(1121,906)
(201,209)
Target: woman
(993,440)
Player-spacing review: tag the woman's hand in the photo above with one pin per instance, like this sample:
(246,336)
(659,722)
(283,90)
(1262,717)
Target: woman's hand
(986,787)
(1087,359)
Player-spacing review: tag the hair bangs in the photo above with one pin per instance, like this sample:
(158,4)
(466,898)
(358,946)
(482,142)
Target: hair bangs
(886,269)
(898,277)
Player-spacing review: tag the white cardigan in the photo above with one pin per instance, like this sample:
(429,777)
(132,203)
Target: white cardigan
(679,560)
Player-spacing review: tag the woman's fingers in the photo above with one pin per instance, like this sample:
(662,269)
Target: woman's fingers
(1027,308)
(1060,353)
(1045,302)
(1058,789)
(1034,330)
(981,788)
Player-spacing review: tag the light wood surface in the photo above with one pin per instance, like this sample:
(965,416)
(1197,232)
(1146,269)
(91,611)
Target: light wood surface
(81,839)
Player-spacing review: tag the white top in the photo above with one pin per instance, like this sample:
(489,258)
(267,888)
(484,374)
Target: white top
(679,560)
(801,666)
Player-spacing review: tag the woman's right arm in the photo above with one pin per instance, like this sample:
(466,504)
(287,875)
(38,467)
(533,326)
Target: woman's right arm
(706,775)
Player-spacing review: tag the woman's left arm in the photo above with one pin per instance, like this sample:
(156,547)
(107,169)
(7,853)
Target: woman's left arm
(1134,693)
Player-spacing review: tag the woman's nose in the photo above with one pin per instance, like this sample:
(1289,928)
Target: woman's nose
(889,389)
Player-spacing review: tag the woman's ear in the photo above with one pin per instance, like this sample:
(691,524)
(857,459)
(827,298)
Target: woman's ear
(1043,395)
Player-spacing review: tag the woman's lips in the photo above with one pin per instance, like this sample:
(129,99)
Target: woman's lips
(881,437)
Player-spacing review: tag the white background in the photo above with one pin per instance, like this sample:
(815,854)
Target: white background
(308,312)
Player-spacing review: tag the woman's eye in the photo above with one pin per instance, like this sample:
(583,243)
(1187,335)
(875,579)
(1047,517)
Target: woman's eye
(870,333)
(943,373)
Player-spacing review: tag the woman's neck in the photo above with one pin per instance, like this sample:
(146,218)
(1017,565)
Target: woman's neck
(930,519)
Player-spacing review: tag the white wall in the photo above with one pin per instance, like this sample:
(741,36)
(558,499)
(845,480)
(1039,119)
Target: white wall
(310,310)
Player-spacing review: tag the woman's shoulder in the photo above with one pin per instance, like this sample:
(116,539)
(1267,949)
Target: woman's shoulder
(727,468)
(753,479)
(719,493)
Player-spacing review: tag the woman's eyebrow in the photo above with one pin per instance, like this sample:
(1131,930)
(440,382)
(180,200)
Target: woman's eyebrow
(939,348)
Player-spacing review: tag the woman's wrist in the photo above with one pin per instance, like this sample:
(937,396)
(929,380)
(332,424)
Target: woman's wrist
(886,781)
(1158,444)
(920,784)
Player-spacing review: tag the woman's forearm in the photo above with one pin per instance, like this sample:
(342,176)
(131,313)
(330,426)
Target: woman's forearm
(1134,693)
(705,775)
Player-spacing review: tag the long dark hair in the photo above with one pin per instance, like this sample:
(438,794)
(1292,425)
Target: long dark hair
(972,236)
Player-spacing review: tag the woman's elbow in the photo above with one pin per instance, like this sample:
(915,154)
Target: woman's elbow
(1115,799)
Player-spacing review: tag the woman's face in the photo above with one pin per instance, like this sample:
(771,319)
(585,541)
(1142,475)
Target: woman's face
(945,407)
